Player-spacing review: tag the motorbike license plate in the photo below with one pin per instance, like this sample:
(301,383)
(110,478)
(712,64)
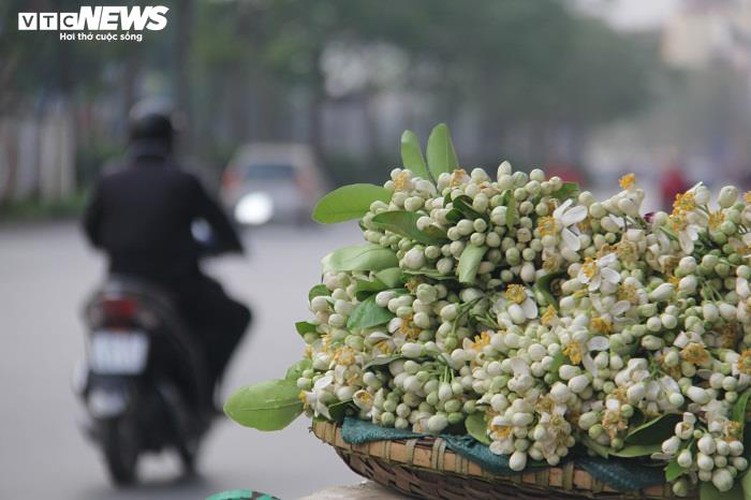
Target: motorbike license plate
(118,352)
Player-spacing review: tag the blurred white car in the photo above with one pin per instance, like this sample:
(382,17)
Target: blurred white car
(266,182)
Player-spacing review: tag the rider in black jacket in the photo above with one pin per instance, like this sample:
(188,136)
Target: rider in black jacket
(141,215)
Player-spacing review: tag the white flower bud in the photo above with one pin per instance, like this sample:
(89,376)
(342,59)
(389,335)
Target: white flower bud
(661,293)
(445,392)
(560,392)
(518,461)
(707,444)
(578,383)
(522,419)
(437,423)
(414,259)
(727,196)
(411,350)
(685,458)
(698,395)
(704,462)
(670,445)
(688,284)
(722,479)
(567,372)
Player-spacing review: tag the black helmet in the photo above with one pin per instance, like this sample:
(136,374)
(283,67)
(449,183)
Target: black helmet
(151,121)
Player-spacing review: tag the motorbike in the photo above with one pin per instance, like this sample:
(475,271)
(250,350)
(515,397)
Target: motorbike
(144,382)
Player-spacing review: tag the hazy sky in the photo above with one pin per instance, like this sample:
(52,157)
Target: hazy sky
(631,14)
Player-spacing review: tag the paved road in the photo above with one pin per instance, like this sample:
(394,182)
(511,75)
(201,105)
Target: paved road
(47,270)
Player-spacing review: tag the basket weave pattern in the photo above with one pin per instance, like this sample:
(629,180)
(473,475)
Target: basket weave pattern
(425,468)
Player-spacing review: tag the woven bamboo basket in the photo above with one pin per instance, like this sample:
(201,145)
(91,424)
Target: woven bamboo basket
(425,468)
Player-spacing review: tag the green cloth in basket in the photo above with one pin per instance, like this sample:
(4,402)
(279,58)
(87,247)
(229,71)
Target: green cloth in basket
(613,472)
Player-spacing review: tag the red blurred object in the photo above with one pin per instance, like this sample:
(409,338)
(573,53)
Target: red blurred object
(672,182)
(119,308)
(566,171)
(230,179)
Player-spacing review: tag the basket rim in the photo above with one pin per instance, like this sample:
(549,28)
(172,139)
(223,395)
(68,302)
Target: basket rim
(431,454)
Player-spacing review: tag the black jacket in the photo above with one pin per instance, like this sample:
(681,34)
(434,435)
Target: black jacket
(141,216)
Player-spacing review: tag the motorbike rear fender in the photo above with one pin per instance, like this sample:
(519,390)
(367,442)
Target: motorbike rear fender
(108,396)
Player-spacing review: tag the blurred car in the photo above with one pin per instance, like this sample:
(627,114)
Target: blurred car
(279,182)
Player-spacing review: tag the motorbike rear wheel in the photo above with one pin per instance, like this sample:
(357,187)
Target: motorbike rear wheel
(121,449)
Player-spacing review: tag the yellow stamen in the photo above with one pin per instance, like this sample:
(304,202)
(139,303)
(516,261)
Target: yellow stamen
(744,362)
(674,280)
(613,423)
(678,222)
(515,293)
(344,356)
(547,226)
(401,183)
(545,405)
(503,431)
(684,203)
(728,335)
(384,346)
(409,329)
(747,197)
(302,397)
(585,225)
(589,268)
(480,341)
(457,177)
(602,325)
(732,430)
(627,181)
(549,316)
(574,352)
(628,292)
(715,220)
(695,354)
(626,251)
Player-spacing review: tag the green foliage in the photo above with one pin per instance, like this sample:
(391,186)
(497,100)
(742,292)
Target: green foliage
(440,151)
(367,257)
(368,314)
(412,157)
(469,261)
(405,224)
(348,202)
(267,406)
(477,427)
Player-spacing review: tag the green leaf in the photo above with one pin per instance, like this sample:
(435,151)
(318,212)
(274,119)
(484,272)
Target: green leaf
(339,410)
(477,427)
(365,288)
(654,431)
(558,361)
(636,450)
(469,261)
(707,491)
(673,471)
(319,290)
(348,202)
(593,445)
(746,485)
(543,285)
(441,155)
(464,205)
(381,361)
(405,224)
(412,157)
(368,314)
(366,257)
(295,371)
(267,406)
(511,211)
(568,190)
(304,327)
(739,409)
(391,277)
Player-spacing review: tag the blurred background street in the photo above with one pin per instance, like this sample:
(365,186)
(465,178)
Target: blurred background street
(47,271)
(586,89)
